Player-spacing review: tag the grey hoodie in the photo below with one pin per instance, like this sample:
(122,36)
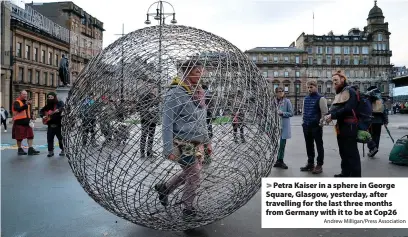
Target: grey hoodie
(182,119)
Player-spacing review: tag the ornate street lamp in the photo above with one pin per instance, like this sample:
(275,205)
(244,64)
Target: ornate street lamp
(160,16)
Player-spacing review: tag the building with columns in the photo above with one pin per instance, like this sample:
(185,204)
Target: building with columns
(364,56)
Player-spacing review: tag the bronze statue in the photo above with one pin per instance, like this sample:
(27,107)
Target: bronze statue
(63,71)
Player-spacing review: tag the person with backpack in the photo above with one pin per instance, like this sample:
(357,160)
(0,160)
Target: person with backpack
(314,108)
(343,110)
(364,114)
(380,117)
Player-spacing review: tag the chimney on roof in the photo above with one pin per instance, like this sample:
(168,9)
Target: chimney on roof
(330,33)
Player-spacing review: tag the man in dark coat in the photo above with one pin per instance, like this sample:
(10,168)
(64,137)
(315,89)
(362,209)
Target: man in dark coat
(51,115)
(343,109)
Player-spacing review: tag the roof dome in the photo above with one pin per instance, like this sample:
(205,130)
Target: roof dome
(375,12)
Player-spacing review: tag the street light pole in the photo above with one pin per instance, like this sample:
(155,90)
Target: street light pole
(160,16)
(122,97)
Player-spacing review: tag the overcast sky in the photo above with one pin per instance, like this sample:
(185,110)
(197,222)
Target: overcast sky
(257,23)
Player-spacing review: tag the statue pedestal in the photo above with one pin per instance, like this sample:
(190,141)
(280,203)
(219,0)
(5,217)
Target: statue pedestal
(62,93)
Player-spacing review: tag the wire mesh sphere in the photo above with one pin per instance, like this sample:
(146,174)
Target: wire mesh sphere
(171,128)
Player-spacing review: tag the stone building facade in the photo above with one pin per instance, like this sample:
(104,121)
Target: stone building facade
(86,31)
(364,56)
(6,69)
(36,50)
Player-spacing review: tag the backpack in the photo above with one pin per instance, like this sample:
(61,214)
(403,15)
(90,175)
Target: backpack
(363,111)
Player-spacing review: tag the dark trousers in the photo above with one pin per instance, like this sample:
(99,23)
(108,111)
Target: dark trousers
(88,127)
(52,131)
(4,122)
(349,153)
(148,130)
(209,126)
(375,131)
(235,130)
(314,134)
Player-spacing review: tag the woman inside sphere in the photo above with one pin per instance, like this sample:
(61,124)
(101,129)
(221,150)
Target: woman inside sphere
(184,134)
(285,110)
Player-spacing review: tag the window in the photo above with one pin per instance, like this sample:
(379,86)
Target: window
(356,50)
(50,58)
(265,59)
(30,76)
(346,50)
(328,88)
(347,73)
(28,53)
(352,74)
(297,88)
(375,46)
(310,60)
(328,60)
(286,87)
(380,38)
(365,74)
(297,74)
(265,74)
(21,74)
(319,60)
(329,74)
(275,86)
(365,87)
(254,58)
(337,50)
(384,46)
(275,74)
(365,60)
(338,60)
(37,77)
(319,88)
(365,50)
(286,59)
(382,88)
(56,59)
(36,54)
(319,49)
(309,50)
(355,61)
(286,74)
(346,61)
(275,59)
(18,50)
(329,50)
(52,79)
(45,74)
(297,59)
(309,73)
(43,56)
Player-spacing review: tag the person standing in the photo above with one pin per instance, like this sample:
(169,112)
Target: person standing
(380,117)
(148,105)
(51,115)
(238,122)
(284,110)
(343,110)
(314,109)
(184,135)
(22,115)
(4,115)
